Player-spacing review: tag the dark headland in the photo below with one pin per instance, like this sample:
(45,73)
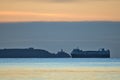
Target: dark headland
(40,53)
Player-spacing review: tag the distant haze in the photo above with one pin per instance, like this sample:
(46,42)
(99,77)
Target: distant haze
(53,36)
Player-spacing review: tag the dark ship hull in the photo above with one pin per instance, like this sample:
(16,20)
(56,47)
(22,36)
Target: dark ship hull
(85,56)
(76,53)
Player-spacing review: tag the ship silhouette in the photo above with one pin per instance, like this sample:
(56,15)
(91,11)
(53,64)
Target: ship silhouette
(101,53)
(40,53)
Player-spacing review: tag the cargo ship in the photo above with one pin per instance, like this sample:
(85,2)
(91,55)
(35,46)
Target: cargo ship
(101,53)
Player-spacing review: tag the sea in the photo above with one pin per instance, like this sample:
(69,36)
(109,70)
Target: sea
(59,68)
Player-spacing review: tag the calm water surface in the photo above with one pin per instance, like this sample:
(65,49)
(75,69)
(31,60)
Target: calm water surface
(59,69)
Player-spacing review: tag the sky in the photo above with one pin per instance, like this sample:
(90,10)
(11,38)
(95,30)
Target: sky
(59,10)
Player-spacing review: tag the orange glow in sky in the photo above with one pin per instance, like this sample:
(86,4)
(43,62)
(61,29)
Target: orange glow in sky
(59,10)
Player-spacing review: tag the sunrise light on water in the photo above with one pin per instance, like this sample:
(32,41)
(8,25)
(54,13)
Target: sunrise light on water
(46,69)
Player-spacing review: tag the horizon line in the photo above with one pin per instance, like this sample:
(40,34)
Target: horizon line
(61,21)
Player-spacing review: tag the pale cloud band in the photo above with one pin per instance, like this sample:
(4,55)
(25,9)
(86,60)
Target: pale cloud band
(63,0)
(30,16)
